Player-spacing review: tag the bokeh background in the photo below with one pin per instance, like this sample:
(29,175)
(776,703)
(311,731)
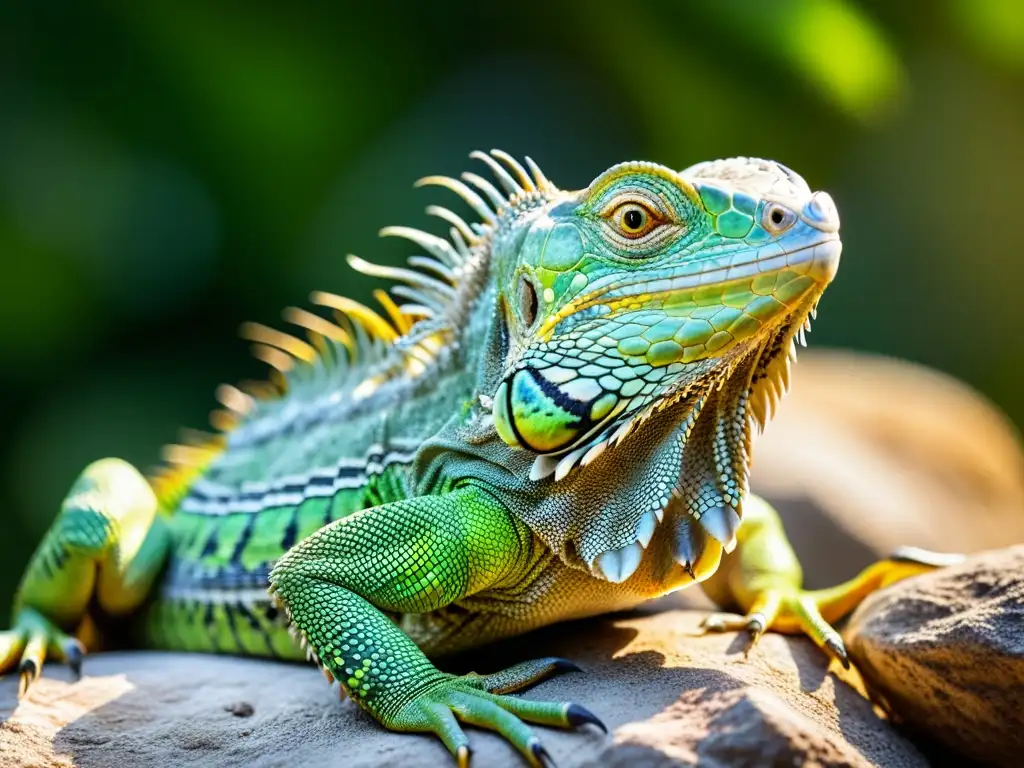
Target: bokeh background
(168,170)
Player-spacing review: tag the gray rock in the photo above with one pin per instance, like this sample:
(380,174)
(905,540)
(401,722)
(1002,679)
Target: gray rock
(670,697)
(945,653)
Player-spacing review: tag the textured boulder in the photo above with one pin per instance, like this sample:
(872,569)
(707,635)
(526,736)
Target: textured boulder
(868,454)
(945,653)
(669,696)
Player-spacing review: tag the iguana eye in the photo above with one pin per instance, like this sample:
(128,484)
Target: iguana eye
(634,220)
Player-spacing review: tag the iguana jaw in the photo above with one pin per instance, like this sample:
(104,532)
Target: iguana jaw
(774,353)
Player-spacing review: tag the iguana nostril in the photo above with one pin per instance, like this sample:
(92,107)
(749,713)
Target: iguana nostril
(821,212)
(528,302)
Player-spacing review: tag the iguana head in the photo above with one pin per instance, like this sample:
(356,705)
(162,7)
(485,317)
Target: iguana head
(622,296)
(658,295)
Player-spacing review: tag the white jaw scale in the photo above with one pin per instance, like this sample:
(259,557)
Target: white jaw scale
(617,565)
(721,523)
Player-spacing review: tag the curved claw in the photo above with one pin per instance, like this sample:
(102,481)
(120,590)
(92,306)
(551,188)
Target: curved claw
(28,673)
(74,652)
(756,624)
(578,715)
(565,665)
(32,641)
(835,647)
(541,755)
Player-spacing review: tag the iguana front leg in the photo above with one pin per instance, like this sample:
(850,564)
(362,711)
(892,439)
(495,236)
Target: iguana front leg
(765,581)
(415,556)
(106,547)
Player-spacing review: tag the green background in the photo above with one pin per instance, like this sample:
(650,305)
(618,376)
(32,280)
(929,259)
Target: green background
(169,169)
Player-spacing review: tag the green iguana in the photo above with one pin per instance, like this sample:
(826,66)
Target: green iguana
(550,418)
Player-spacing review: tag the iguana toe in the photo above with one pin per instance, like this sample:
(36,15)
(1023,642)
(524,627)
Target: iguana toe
(32,641)
(526,674)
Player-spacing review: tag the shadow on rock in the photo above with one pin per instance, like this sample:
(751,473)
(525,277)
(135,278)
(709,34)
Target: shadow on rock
(669,695)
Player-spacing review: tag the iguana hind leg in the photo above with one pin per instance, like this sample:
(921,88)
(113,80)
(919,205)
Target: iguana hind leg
(765,581)
(415,556)
(106,545)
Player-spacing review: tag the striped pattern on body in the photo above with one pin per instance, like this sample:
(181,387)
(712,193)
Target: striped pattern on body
(226,540)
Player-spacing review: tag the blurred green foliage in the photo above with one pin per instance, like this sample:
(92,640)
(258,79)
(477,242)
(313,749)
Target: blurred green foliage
(170,169)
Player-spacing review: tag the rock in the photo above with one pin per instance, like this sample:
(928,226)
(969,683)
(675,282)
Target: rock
(868,454)
(945,652)
(671,697)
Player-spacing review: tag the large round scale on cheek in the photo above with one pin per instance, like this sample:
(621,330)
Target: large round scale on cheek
(502,418)
(540,423)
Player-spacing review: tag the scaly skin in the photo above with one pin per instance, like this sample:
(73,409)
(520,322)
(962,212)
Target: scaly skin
(557,423)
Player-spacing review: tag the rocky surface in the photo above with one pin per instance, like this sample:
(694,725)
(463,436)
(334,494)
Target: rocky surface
(945,652)
(670,697)
(868,454)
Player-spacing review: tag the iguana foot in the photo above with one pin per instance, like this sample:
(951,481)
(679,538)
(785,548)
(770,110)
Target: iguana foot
(104,550)
(783,607)
(790,611)
(33,640)
(470,699)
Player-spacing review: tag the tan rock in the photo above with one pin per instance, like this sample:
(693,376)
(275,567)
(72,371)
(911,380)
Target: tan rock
(868,454)
(669,696)
(945,652)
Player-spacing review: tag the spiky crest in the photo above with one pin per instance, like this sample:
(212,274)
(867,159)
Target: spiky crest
(420,314)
